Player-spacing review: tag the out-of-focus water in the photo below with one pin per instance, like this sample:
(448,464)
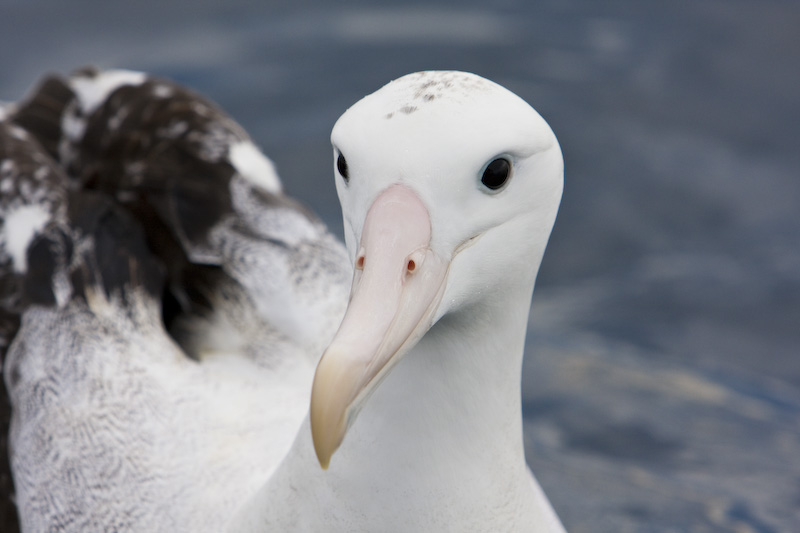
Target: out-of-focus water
(662,383)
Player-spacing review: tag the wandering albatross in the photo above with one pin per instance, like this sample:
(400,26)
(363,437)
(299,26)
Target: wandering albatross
(188,358)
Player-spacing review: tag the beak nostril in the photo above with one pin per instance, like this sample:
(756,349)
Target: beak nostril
(360,262)
(411,265)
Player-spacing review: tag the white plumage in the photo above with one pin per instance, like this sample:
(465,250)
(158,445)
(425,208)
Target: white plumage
(161,377)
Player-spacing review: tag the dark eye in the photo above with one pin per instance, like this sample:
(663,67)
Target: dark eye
(341,166)
(496,173)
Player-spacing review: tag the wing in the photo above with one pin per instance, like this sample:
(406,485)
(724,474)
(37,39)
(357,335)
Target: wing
(209,200)
(173,305)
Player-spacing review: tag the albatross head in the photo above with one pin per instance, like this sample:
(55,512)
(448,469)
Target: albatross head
(449,185)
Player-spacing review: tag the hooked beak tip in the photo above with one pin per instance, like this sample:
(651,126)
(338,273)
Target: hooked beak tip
(324,460)
(323,447)
(330,401)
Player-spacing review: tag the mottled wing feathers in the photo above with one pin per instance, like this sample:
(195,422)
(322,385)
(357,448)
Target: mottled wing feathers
(33,194)
(202,191)
(140,208)
(148,142)
(41,113)
(55,243)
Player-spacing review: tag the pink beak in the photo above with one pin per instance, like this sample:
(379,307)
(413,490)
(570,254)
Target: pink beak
(397,286)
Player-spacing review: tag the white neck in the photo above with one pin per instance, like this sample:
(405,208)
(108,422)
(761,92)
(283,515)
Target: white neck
(439,442)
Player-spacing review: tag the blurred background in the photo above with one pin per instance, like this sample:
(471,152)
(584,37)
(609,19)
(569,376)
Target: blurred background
(662,382)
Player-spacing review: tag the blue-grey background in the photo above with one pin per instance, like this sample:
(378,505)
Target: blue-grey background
(662,382)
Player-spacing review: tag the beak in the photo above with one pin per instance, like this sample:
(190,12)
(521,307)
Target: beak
(397,286)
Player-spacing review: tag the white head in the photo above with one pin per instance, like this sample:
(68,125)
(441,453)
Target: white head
(448,184)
